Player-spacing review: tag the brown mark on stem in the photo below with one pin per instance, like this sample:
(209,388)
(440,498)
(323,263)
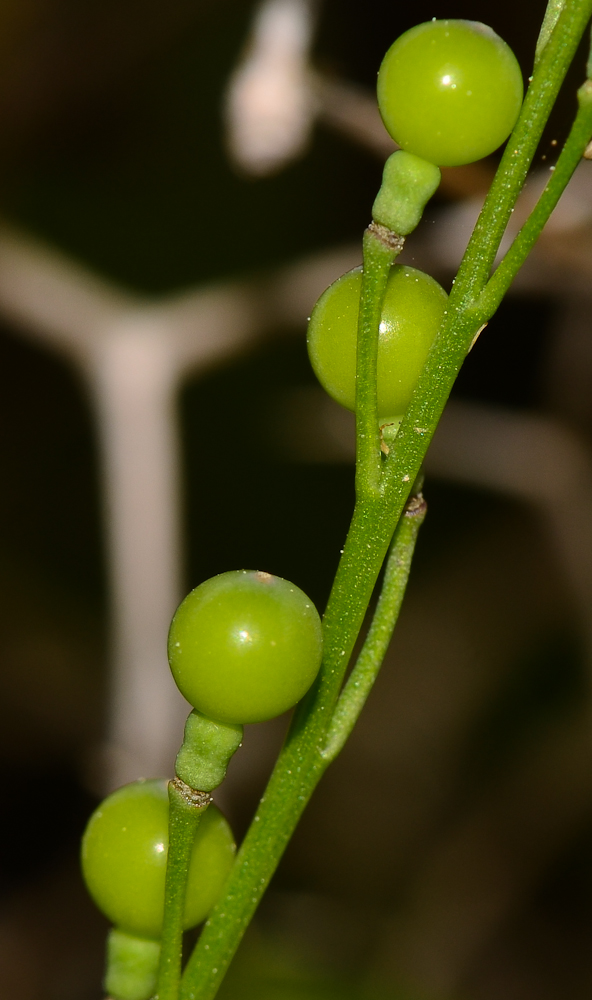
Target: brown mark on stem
(192,796)
(383,445)
(387,237)
(416,506)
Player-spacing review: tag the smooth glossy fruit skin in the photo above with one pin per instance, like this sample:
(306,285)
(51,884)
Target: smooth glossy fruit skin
(412,312)
(450,91)
(245,646)
(124,853)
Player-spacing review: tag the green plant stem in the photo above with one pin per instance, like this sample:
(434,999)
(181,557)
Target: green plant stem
(381,247)
(185,811)
(554,8)
(571,154)
(546,81)
(301,763)
(376,514)
(361,680)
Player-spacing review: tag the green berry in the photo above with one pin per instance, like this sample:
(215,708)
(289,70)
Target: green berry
(412,312)
(450,91)
(245,646)
(124,854)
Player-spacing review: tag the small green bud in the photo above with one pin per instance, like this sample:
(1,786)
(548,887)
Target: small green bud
(132,966)
(408,183)
(206,751)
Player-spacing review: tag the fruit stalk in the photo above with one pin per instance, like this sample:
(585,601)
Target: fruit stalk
(186,808)
(361,680)
(549,73)
(569,158)
(381,246)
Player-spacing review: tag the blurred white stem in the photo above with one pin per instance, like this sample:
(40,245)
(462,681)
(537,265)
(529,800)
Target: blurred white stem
(269,108)
(134,384)
(134,354)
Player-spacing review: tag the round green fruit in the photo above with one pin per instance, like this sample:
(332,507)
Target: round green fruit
(413,309)
(245,646)
(124,854)
(450,91)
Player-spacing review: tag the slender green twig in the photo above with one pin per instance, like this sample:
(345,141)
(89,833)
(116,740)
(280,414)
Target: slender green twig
(361,680)
(380,246)
(554,8)
(570,156)
(376,514)
(186,808)
(541,95)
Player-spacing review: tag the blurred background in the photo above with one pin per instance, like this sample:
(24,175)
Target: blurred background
(177,186)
